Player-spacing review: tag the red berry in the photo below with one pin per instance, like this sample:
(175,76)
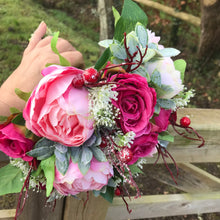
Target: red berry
(78,81)
(185,122)
(117,192)
(91,75)
(125,155)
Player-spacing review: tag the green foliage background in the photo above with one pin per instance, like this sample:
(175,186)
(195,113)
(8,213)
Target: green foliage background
(19,18)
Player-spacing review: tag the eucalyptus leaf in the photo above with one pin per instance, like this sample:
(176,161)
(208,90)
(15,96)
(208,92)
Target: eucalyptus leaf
(96,193)
(84,168)
(132,42)
(111,183)
(48,166)
(166,103)
(105,43)
(157,109)
(149,55)
(75,154)
(44,142)
(62,158)
(142,34)
(156,78)
(86,155)
(153,46)
(10,181)
(98,154)
(118,51)
(169,52)
(42,153)
(22,95)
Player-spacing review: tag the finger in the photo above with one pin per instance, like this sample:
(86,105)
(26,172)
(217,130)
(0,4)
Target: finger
(64,46)
(75,58)
(37,36)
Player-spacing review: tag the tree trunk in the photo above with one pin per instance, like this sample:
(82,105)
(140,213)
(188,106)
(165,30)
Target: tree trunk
(210,29)
(105,18)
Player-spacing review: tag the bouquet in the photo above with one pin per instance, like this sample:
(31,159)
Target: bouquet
(91,130)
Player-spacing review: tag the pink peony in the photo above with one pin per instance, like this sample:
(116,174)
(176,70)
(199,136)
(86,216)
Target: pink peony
(144,146)
(162,120)
(13,143)
(73,182)
(57,110)
(136,102)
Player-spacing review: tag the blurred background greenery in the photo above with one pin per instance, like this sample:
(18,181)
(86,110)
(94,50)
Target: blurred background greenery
(78,22)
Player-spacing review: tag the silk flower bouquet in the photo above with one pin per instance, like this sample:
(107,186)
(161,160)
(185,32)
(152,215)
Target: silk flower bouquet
(91,130)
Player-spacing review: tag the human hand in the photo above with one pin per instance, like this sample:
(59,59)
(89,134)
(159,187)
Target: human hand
(37,54)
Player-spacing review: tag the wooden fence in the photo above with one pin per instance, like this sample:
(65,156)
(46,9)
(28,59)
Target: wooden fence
(201,189)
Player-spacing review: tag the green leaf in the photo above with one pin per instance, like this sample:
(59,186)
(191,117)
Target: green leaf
(63,61)
(131,14)
(109,194)
(14,110)
(36,172)
(48,166)
(132,42)
(103,59)
(166,136)
(180,65)
(3,118)
(98,154)
(18,120)
(142,34)
(10,181)
(115,14)
(135,169)
(22,95)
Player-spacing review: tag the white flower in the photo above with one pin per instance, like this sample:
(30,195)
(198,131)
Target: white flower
(169,75)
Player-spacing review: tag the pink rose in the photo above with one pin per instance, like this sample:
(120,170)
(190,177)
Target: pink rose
(162,120)
(57,110)
(136,102)
(73,182)
(144,146)
(13,143)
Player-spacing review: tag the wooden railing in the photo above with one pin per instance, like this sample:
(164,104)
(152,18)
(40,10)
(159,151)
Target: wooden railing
(201,189)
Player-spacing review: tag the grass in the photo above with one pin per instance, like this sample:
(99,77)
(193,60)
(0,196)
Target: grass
(20,18)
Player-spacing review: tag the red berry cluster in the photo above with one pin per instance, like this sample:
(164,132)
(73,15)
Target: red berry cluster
(90,75)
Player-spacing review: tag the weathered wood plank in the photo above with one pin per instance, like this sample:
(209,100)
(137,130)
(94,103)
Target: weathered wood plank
(164,205)
(95,208)
(7,213)
(191,179)
(171,11)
